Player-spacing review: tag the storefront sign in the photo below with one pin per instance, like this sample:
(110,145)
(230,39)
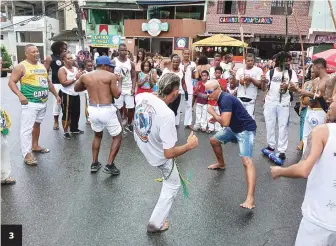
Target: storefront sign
(325,39)
(154,27)
(108,41)
(181,43)
(247,20)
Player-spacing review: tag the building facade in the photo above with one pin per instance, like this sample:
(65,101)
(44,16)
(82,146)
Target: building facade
(263,23)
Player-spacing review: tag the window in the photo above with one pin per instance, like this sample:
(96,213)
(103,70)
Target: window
(231,7)
(278,7)
(29,37)
(189,12)
(1,37)
(165,12)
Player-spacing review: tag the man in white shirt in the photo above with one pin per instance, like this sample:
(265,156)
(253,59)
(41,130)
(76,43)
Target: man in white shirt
(277,102)
(156,137)
(188,67)
(318,164)
(95,55)
(248,82)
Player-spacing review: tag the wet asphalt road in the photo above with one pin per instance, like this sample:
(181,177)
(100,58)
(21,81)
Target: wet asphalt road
(59,202)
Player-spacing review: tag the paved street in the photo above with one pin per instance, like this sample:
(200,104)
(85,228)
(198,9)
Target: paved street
(59,202)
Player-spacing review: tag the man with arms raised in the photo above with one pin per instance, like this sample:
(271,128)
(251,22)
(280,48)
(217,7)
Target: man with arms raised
(156,136)
(239,127)
(33,96)
(126,69)
(102,88)
(318,164)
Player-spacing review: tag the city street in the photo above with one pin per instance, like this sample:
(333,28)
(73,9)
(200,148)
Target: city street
(59,202)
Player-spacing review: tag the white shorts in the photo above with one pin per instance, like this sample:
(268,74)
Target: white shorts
(310,234)
(104,117)
(127,99)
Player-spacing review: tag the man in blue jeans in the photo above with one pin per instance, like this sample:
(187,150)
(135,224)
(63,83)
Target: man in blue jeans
(238,126)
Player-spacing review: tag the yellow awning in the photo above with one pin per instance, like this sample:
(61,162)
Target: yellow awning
(220,40)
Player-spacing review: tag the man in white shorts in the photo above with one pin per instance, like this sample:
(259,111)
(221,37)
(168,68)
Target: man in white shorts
(33,96)
(156,136)
(248,82)
(126,69)
(318,164)
(102,87)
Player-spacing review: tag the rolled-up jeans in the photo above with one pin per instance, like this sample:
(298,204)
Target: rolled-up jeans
(170,186)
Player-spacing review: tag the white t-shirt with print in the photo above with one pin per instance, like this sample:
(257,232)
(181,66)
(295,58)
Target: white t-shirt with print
(154,127)
(273,94)
(188,76)
(251,91)
(124,69)
(180,74)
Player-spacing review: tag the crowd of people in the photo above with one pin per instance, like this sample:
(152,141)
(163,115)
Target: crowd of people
(147,96)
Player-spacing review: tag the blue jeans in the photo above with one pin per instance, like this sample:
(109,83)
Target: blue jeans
(245,140)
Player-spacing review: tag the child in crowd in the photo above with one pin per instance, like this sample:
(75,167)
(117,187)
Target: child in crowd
(145,80)
(201,103)
(222,82)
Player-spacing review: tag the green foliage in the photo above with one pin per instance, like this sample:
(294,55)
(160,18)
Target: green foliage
(6,60)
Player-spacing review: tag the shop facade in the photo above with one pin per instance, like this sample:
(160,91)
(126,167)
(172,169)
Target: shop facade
(162,36)
(263,23)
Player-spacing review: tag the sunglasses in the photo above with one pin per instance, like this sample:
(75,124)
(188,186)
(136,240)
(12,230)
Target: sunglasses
(208,92)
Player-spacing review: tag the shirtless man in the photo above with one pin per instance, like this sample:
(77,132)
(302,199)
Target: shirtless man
(102,88)
(320,96)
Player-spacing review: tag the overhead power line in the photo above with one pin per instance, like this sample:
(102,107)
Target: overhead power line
(37,17)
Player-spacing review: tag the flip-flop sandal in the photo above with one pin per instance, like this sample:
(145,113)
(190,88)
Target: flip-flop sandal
(32,162)
(42,151)
(8,181)
(56,128)
(217,168)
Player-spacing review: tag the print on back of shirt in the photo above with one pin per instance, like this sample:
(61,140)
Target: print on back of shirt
(143,120)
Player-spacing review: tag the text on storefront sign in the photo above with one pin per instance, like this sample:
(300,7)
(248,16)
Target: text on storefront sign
(247,20)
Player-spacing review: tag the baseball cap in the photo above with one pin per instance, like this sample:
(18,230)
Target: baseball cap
(104,60)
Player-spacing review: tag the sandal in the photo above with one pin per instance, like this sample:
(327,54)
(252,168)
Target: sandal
(8,181)
(56,128)
(32,162)
(42,151)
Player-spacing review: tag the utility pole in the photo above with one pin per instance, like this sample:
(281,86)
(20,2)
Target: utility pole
(79,24)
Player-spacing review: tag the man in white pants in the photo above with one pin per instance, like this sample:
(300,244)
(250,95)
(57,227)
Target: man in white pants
(189,69)
(54,62)
(277,104)
(156,136)
(318,164)
(33,96)
(248,82)
(126,70)
(316,114)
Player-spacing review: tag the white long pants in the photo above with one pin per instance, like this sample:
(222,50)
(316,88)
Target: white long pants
(187,111)
(57,108)
(310,234)
(313,118)
(216,126)
(201,116)
(272,113)
(5,159)
(249,106)
(30,113)
(170,187)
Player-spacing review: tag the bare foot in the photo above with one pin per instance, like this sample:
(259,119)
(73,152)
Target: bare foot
(248,204)
(165,227)
(216,166)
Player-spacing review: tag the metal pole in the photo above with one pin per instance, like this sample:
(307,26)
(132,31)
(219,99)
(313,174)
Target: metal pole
(46,29)
(332,12)
(79,24)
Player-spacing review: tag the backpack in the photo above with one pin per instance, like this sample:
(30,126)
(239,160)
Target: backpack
(290,73)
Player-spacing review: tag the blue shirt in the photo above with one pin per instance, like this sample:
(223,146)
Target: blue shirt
(240,118)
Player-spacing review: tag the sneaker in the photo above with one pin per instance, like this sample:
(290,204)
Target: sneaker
(129,128)
(77,131)
(67,136)
(95,167)
(111,169)
(282,156)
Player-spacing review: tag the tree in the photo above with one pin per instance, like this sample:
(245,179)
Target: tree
(6,60)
